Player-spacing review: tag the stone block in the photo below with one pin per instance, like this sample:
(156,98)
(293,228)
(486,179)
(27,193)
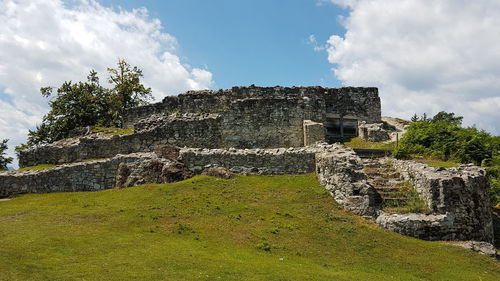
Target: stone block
(313,132)
(373,132)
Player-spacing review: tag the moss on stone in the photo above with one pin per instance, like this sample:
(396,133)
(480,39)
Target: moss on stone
(37,167)
(112,131)
(363,144)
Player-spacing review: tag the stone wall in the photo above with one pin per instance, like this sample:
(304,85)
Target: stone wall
(182,130)
(251,161)
(363,102)
(340,170)
(459,197)
(140,168)
(265,123)
(203,101)
(83,176)
(242,117)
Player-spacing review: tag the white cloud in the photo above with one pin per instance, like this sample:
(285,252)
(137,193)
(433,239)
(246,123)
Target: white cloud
(312,41)
(424,55)
(47,42)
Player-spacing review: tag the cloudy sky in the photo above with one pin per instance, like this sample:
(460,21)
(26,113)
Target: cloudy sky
(424,55)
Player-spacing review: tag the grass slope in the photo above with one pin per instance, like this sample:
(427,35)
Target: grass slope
(204,228)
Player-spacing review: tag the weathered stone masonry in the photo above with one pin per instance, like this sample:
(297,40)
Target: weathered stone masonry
(458,198)
(242,117)
(363,102)
(458,202)
(104,174)
(193,131)
(340,170)
(252,161)
(260,130)
(84,176)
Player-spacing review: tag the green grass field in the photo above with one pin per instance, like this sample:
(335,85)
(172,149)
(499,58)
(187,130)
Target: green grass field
(204,228)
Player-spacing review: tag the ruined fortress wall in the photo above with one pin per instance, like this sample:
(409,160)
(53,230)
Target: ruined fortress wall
(83,176)
(458,197)
(431,227)
(266,123)
(190,102)
(242,117)
(363,102)
(252,161)
(193,132)
(101,174)
(460,193)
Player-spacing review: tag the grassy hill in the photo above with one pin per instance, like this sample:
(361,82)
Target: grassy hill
(204,228)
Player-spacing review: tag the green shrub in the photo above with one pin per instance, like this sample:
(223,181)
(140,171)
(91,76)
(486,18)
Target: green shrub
(443,138)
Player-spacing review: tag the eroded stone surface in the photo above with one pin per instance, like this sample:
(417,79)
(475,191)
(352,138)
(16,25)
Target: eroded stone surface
(398,127)
(251,161)
(423,226)
(256,130)
(340,170)
(483,248)
(462,194)
(242,117)
(373,132)
(81,176)
(156,170)
(313,132)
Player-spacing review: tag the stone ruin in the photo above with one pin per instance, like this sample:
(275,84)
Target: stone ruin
(263,130)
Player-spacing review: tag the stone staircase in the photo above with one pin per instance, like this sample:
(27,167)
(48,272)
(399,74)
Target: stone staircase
(388,183)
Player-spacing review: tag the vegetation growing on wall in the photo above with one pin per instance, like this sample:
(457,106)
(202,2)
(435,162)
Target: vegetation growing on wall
(88,103)
(364,144)
(113,131)
(443,137)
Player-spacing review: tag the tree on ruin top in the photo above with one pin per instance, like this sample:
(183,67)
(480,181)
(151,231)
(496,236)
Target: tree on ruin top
(88,103)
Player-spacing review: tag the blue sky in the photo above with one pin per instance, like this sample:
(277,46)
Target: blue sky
(423,55)
(262,42)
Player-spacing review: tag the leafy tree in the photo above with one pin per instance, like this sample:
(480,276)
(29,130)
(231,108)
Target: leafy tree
(88,103)
(447,117)
(3,159)
(128,90)
(76,105)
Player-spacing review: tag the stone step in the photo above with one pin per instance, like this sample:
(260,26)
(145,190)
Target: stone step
(394,202)
(371,165)
(386,182)
(378,167)
(393,194)
(388,189)
(383,178)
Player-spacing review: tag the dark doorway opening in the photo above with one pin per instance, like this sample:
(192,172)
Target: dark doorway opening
(341,128)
